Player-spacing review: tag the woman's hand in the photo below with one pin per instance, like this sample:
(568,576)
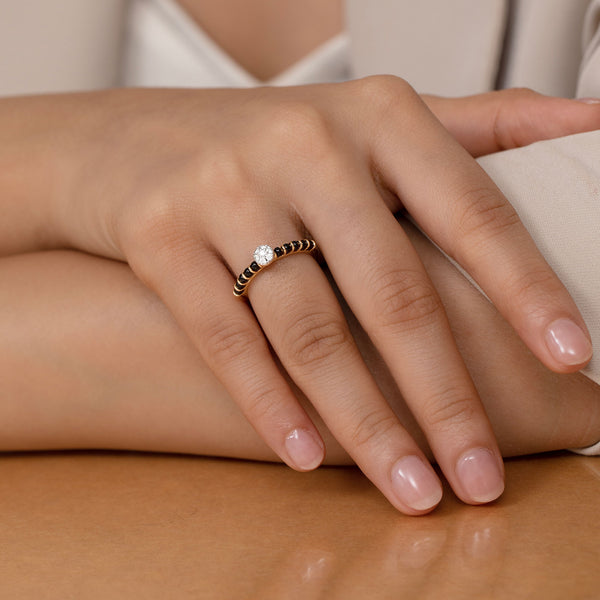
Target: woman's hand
(184,185)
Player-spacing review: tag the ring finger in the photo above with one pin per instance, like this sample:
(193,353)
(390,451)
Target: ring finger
(387,287)
(303,320)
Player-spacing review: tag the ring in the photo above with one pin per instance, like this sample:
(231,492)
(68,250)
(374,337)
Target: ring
(264,256)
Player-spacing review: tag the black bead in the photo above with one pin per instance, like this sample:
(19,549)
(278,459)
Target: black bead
(297,246)
(254,266)
(278,252)
(242,280)
(312,244)
(288,248)
(305,244)
(248,273)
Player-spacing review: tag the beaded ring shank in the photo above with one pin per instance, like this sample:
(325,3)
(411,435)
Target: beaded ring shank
(265,256)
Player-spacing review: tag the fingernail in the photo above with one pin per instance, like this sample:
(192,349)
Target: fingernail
(567,342)
(415,483)
(304,450)
(480,475)
(588,100)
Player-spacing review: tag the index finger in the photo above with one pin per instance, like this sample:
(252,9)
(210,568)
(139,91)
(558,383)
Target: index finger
(461,209)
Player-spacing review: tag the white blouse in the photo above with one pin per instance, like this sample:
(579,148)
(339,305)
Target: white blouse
(164,47)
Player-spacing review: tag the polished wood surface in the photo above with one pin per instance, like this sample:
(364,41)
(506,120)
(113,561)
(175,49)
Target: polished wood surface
(126,525)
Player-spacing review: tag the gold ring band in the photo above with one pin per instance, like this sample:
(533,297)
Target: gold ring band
(264,256)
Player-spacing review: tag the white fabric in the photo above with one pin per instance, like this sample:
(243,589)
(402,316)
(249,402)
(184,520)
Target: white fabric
(165,47)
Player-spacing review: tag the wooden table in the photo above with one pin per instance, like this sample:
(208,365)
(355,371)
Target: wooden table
(143,526)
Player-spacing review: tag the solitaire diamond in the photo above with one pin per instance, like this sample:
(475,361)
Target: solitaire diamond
(263,255)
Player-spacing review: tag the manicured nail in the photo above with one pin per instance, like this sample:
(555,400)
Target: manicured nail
(305,451)
(589,100)
(567,342)
(415,483)
(480,475)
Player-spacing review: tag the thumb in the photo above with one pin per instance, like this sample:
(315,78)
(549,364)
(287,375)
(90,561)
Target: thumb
(505,119)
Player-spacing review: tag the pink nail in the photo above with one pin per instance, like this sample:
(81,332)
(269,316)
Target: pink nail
(415,483)
(480,475)
(306,452)
(567,342)
(588,100)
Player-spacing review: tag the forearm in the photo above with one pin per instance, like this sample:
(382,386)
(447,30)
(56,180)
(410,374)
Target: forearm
(59,155)
(93,359)
(36,162)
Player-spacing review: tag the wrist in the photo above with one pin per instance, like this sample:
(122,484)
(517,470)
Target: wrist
(42,151)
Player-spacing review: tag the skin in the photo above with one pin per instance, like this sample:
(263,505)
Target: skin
(168,181)
(93,359)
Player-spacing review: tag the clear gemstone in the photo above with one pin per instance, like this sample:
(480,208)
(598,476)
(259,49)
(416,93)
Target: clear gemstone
(263,255)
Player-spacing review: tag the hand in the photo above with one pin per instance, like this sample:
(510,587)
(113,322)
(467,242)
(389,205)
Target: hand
(185,184)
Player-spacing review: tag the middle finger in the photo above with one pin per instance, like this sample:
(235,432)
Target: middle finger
(387,287)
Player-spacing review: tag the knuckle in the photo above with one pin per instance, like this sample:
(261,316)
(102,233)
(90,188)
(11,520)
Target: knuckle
(262,403)
(384,90)
(484,212)
(519,93)
(300,129)
(223,172)
(156,221)
(229,341)
(156,236)
(384,103)
(404,299)
(515,94)
(314,337)
(449,409)
(371,426)
(536,290)
(506,130)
